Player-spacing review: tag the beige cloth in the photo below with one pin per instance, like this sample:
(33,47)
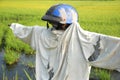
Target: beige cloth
(71,53)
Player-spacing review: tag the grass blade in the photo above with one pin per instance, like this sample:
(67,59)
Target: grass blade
(16,76)
(28,76)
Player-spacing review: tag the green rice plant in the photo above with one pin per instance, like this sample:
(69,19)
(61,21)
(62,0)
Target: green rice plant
(16,76)
(2,33)
(29,64)
(3,70)
(6,78)
(11,41)
(27,75)
(10,56)
(3,76)
(28,50)
(13,47)
(102,74)
(18,45)
(1,36)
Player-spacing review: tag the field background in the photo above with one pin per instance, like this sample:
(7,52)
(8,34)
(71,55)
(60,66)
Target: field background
(97,16)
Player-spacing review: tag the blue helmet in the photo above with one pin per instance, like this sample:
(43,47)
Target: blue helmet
(61,13)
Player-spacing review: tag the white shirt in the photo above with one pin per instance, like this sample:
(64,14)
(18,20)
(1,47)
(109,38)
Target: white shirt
(70,53)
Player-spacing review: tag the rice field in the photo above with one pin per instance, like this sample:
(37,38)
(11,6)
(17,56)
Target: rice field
(97,16)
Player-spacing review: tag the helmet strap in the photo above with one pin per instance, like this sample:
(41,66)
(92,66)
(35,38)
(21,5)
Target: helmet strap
(47,25)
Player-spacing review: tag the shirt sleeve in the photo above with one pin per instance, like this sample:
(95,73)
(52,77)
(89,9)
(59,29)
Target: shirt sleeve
(107,49)
(22,32)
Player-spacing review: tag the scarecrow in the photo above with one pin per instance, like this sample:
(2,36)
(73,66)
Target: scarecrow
(65,51)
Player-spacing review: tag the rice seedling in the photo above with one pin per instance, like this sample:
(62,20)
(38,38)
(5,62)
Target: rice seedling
(16,76)
(2,32)
(29,64)
(1,36)
(3,72)
(26,73)
(14,46)
(102,74)
(11,57)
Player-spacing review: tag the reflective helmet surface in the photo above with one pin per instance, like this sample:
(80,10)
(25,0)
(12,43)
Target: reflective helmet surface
(61,13)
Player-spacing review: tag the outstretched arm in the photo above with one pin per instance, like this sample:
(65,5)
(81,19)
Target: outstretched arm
(108,52)
(22,32)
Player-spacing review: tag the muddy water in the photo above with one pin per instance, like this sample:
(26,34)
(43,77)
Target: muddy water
(10,71)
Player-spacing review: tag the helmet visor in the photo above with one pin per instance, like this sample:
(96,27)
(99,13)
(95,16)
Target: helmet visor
(51,18)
